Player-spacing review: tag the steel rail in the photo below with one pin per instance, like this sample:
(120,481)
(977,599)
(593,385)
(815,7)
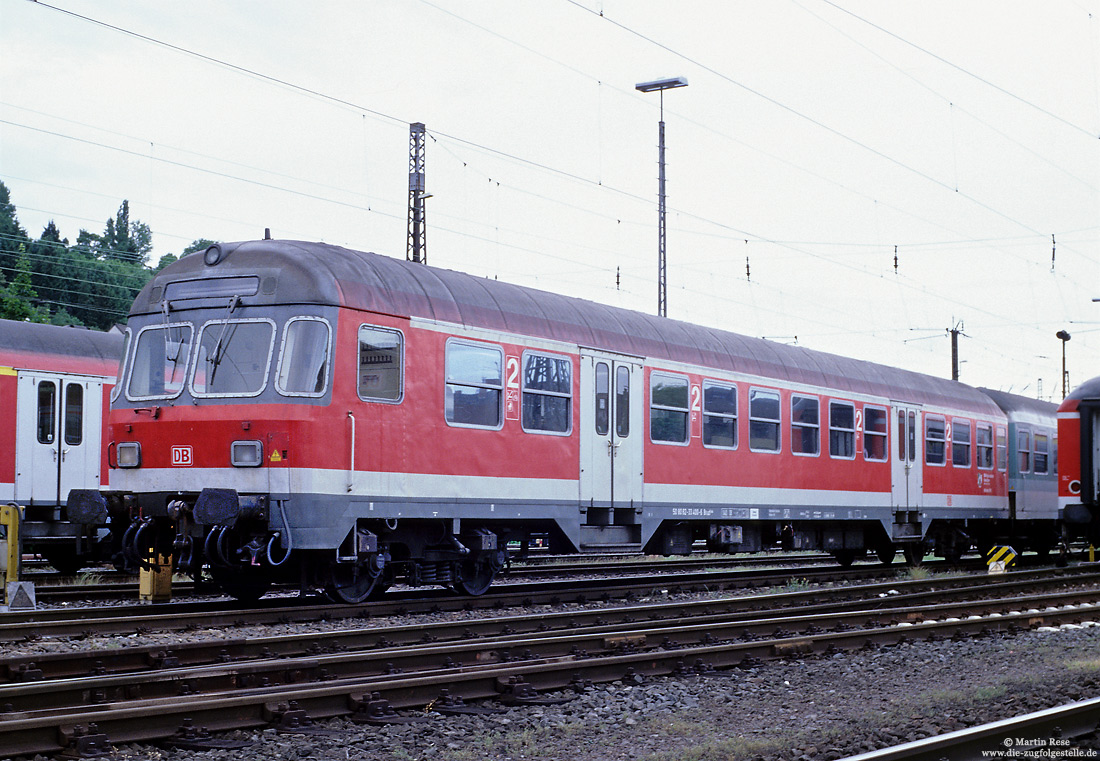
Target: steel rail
(1029,736)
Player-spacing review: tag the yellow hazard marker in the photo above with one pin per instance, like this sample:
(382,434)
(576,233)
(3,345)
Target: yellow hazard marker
(155,581)
(11,548)
(1000,558)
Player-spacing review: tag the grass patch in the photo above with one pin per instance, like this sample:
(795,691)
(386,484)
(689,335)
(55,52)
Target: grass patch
(796,585)
(1084,666)
(915,573)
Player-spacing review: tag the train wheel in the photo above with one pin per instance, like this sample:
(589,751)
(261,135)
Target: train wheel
(845,558)
(886,552)
(914,553)
(244,587)
(64,561)
(353,584)
(476,575)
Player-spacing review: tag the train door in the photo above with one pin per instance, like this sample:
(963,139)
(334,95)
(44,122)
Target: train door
(58,423)
(907,470)
(611,437)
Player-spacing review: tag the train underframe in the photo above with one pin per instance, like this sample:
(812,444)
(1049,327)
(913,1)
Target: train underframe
(244,544)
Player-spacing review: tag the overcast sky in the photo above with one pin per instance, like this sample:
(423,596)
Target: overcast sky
(815,139)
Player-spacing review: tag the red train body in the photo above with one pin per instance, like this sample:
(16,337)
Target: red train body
(1079,459)
(299,411)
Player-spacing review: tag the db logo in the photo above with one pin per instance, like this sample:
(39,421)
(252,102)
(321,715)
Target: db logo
(183,456)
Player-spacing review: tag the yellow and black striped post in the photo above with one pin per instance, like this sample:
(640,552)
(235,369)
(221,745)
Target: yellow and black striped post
(1000,558)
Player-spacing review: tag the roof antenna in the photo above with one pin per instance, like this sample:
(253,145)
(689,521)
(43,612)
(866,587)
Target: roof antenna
(267,233)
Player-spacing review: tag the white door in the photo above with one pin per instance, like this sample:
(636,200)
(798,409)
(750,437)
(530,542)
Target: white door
(611,434)
(58,425)
(908,474)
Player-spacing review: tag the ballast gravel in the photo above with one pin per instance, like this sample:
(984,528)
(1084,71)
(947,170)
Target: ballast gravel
(810,709)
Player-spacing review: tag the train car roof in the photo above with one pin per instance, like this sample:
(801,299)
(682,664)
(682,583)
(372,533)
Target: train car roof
(1023,408)
(295,272)
(57,348)
(1090,390)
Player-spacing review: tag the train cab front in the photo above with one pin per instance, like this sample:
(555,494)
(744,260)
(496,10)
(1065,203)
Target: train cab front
(1079,461)
(223,374)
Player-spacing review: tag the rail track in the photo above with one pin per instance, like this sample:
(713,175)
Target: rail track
(1055,730)
(110,584)
(61,621)
(512,658)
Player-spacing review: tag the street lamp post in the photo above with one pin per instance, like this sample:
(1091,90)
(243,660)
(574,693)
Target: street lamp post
(660,85)
(1064,336)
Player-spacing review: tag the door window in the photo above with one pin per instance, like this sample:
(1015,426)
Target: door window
(622,401)
(603,399)
(74,414)
(47,411)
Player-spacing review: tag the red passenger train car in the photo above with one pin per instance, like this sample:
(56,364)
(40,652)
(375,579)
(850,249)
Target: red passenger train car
(55,388)
(1079,462)
(292,410)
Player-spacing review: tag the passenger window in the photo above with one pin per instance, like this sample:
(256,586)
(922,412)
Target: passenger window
(1002,449)
(874,434)
(763,420)
(303,358)
(381,364)
(960,443)
(935,440)
(233,358)
(842,430)
(805,425)
(547,394)
(983,440)
(475,386)
(1041,452)
(74,414)
(668,410)
(1023,451)
(719,415)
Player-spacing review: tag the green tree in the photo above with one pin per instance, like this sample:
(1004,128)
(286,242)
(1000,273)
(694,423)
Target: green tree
(54,271)
(13,238)
(197,246)
(125,240)
(17,299)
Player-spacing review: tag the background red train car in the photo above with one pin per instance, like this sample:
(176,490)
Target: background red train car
(55,388)
(1079,459)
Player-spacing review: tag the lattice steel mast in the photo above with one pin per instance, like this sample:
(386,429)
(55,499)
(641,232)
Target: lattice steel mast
(417,250)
